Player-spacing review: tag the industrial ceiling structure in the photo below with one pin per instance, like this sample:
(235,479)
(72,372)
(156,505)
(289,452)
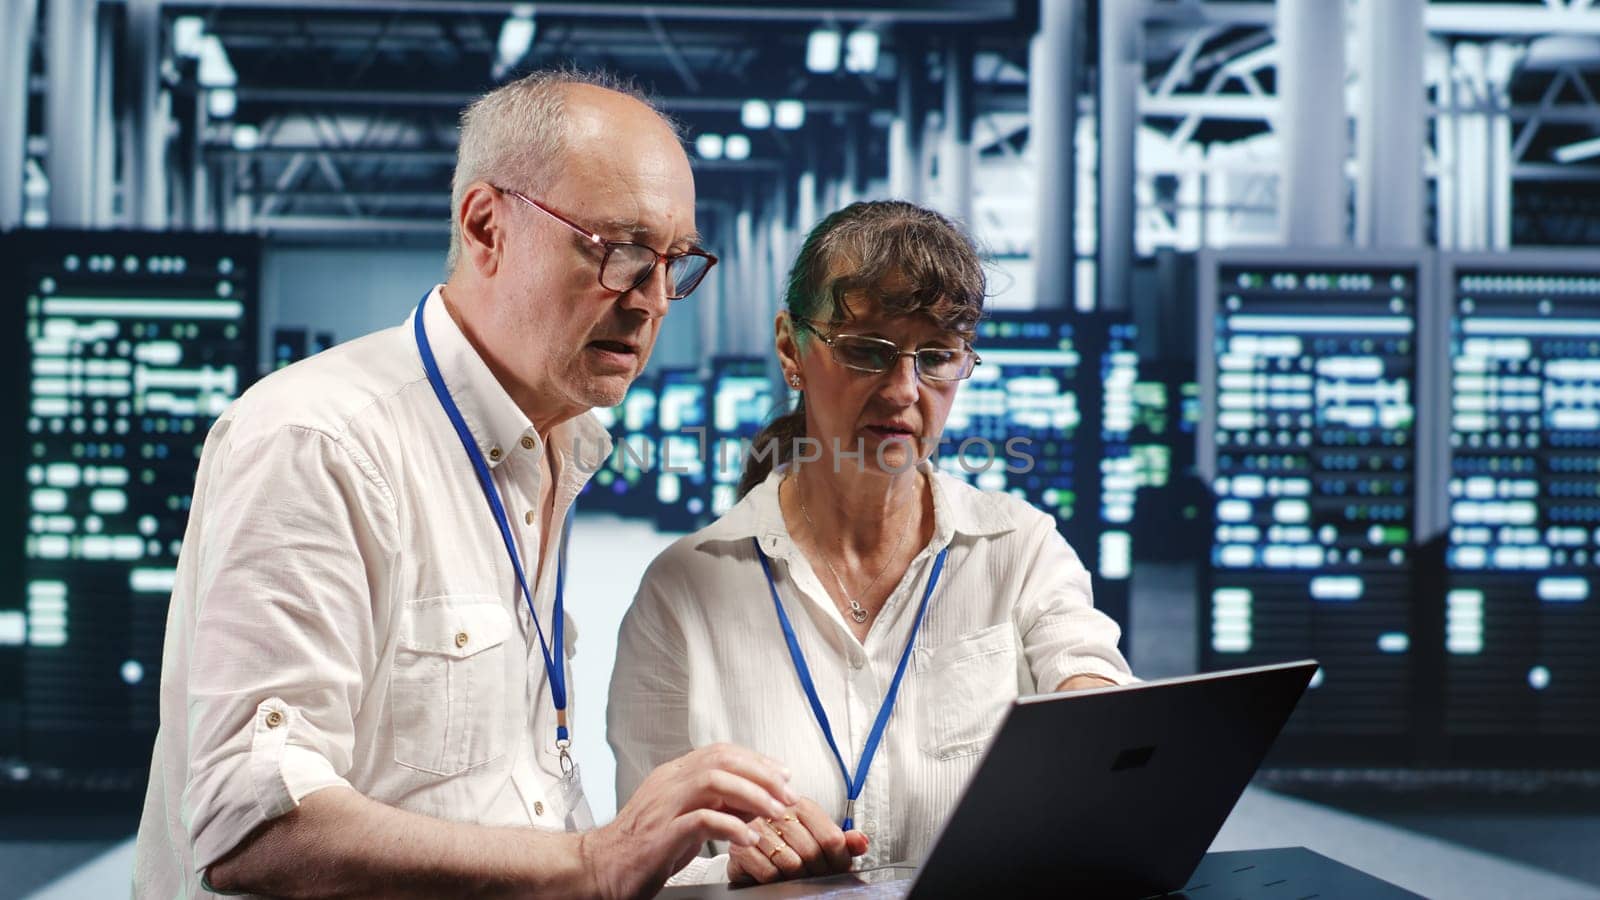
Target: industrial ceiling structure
(335,121)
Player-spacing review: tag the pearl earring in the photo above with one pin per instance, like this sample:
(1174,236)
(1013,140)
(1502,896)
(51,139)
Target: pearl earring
(794,381)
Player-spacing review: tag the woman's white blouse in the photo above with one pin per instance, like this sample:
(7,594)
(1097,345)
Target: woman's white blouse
(701,658)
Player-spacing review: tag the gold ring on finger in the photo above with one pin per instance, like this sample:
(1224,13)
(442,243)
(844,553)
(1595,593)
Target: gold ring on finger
(773,853)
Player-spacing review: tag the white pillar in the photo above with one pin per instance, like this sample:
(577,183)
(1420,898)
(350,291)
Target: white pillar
(1469,87)
(1502,59)
(707,298)
(806,210)
(102,190)
(905,135)
(70,111)
(780,256)
(715,332)
(146,178)
(1052,146)
(806,191)
(956,158)
(1446,158)
(200,202)
(740,309)
(1121,69)
(15,44)
(1311,122)
(1393,116)
(850,180)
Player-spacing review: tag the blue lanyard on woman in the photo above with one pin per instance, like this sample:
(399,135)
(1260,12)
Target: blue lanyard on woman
(556,673)
(854,785)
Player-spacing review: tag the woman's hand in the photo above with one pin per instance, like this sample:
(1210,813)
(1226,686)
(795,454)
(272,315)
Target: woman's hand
(700,796)
(802,843)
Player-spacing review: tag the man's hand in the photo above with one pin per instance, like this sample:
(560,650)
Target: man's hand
(702,796)
(803,842)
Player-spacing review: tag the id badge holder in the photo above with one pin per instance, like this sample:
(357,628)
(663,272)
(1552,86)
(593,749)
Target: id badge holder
(579,817)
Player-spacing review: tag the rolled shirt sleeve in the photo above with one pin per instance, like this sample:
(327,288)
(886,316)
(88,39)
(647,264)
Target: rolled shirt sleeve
(647,715)
(1062,633)
(297,526)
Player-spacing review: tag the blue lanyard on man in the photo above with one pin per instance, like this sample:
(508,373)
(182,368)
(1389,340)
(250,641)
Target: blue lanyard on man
(557,672)
(853,785)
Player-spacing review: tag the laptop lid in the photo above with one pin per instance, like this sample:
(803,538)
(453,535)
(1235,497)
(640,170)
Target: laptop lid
(1113,791)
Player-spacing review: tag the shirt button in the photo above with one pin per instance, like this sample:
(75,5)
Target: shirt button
(856,663)
(461,639)
(494,454)
(274,719)
(529,517)
(527,443)
(538,808)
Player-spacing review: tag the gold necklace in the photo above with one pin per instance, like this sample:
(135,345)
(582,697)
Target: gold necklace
(857,612)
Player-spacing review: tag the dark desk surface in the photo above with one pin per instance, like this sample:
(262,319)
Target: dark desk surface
(1285,873)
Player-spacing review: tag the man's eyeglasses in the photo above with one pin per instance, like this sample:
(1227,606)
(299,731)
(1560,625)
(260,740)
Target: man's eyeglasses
(627,264)
(876,355)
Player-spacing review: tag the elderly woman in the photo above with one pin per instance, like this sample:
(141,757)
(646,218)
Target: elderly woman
(859,615)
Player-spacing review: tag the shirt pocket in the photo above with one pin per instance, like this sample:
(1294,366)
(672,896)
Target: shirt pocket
(965,686)
(447,688)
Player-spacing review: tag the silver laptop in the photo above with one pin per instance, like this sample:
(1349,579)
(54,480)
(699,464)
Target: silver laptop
(1109,792)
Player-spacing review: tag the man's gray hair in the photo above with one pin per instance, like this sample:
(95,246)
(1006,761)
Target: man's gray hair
(515,135)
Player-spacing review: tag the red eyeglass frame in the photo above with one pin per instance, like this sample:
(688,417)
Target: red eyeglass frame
(609,246)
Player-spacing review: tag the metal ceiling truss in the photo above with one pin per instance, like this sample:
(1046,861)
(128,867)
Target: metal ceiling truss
(353,103)
(1207,105)
(350,114)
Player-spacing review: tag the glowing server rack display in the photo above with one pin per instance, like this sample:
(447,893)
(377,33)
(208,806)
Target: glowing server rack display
(682,480)
(625,483)
(1309,364)
(127,348)
(1521,610)
(1049,417)
(741,399)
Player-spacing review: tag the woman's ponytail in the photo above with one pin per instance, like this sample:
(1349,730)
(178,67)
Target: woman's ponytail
(773,446)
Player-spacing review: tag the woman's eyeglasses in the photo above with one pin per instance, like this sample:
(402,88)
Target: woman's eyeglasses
(626,264)
(877,355)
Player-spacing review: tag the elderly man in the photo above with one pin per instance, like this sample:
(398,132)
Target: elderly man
(364,683)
